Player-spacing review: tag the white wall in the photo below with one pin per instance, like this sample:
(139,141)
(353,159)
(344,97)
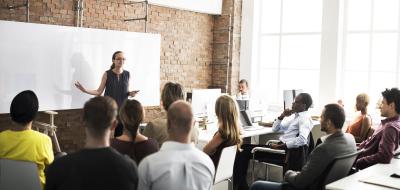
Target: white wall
(48,59)
(202,6)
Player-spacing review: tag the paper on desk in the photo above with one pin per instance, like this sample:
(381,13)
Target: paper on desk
(380,180)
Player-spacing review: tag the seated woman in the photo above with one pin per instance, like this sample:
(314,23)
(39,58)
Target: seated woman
(228,133)
(360,127)
(157,129)
(23,143)
(131,142)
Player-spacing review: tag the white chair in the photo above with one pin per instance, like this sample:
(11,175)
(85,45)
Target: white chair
(224,170)
(19,175)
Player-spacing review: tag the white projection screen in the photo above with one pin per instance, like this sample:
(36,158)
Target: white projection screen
(48,59)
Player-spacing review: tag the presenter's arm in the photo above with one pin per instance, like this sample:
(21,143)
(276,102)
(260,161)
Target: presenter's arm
(97,92)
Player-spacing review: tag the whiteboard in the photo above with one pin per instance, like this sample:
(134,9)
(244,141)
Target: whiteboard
(48,59)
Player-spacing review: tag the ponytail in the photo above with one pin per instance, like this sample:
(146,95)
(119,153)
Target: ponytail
(131,115)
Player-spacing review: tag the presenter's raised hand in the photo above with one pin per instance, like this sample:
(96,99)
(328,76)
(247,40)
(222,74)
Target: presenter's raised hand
(80,87)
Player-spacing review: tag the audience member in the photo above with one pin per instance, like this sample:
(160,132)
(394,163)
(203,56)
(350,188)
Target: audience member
(228,133)
(296,129)
(335,144)
(243,90)
(360,127)
(97,165)
(380,147)
(23,143)
(157,129)
(178,164)
(131,142)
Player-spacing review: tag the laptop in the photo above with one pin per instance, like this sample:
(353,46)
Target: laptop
(245,119)
(243,104)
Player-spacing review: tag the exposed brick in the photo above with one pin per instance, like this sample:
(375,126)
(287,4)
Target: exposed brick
(188,55)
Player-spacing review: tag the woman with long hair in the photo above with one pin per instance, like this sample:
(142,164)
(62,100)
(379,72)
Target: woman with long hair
(228,133)
(132,142)
(115,83)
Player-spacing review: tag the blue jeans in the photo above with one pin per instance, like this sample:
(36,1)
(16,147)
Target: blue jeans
(264,185)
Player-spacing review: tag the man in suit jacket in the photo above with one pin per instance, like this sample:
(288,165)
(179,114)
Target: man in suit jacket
(336,143)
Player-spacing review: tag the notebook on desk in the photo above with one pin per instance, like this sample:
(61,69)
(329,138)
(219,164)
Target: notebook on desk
(385,181)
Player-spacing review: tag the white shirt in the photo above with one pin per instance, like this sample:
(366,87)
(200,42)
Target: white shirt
(244,96)
(176,166)
(299,124)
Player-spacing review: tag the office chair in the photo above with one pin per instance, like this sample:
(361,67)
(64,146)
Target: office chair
(224,170)
(19,175)
(294,159)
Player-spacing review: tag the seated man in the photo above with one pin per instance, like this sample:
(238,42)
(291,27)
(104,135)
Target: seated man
(335,144)
(97,166)
(178,164)
(295,138)
(296,131)
(23,143)
(380,147)
(243,93)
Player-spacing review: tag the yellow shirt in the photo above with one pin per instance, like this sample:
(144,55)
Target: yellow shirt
(27,145)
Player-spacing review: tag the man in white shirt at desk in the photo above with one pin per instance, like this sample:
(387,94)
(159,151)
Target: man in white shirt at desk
(178,164)
(295,139)
(243,90)
(296,131)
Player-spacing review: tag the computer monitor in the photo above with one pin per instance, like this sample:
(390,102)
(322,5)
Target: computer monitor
(203,102)
(289,96)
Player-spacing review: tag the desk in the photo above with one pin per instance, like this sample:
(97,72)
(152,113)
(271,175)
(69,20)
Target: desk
(207,135)
(352,181)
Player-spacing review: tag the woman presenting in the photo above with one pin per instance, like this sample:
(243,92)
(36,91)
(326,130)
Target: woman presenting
(115,81)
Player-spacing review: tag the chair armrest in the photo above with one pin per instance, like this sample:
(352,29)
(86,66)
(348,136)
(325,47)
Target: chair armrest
(272,141)
(270,150)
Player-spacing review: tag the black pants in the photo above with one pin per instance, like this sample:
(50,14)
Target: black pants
(242,164)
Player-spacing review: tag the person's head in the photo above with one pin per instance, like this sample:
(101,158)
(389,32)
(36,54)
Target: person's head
(243,86)
(118,59)
(171,93)
(390,105)
(99,115)
(228,118)
(302,102)
(131,114)
(24,107)
(180,121)
(362,102)
(332,118)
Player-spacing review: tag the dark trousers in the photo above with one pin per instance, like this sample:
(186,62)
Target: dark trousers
(294,159)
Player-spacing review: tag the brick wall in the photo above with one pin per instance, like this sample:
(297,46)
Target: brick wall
(186,47)
(226,49)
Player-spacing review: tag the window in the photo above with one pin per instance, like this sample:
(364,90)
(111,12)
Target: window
(369,48)
(288,41)
(289,47)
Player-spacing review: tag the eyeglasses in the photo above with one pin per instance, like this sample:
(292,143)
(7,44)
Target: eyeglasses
(120,59)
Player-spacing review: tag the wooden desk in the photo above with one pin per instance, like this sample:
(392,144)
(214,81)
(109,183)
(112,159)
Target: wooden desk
(352,181)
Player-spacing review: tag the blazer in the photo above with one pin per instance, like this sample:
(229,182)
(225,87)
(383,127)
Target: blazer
(334,145)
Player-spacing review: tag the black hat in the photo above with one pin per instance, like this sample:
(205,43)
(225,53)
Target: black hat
(24,107)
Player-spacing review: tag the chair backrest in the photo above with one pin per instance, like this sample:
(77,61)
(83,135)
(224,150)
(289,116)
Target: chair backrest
(225,165)
(339,168)
(19,175)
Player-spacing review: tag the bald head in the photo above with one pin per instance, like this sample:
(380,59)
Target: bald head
(180,119)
